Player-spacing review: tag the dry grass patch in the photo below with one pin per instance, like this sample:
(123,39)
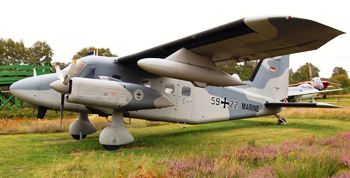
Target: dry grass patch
(342,113)
(24,125)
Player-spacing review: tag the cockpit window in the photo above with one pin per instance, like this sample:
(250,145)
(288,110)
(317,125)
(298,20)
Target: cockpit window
(169,89)
(80,65)
(146,83)
(90,73)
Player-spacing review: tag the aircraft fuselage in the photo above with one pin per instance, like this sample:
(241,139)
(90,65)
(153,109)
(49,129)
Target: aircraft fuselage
(191,104)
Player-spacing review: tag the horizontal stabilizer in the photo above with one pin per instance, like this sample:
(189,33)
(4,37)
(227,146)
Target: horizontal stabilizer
(331,90)
(300,105)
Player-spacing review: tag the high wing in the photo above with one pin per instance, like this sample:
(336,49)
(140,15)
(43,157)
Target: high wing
(297,84)
(314,91)
(247,39)
(331,90)
(303,92)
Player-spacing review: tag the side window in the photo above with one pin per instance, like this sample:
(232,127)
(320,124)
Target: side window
(116,76)
(146,83)
(169,89)
(90,74)
(186,91)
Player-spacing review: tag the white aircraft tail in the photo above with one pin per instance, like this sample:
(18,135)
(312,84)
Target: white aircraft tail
(317,83)
(271,77)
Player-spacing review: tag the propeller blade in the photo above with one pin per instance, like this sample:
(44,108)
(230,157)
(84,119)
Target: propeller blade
(61,109)
(59,73)
(71,71)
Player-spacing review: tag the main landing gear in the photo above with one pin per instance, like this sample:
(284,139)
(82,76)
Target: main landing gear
(280,120)
(81,127)
(116,134)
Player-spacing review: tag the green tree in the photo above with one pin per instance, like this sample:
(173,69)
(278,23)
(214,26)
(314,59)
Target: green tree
(101,52)
(339,70)
(341,79)
(2,52)
(244,69)
(40,50)
(340,75)
(302,73)
(291,79)
(12,52)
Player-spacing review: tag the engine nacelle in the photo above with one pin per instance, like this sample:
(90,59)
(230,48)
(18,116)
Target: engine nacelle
(114,94)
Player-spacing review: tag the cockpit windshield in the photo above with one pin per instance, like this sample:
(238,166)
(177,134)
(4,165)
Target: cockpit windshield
(80,65)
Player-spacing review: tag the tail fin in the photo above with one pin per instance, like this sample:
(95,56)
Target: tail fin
(317,83)
(270,78)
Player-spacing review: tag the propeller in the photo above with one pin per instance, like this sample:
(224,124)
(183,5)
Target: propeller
(61,109)
(59,73)
(61,85)
(71,72)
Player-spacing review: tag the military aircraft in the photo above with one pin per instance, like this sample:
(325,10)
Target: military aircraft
(179,81)
(309,90)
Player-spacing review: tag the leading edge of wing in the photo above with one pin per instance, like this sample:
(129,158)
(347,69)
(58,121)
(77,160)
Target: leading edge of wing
(285,35)
(300,105)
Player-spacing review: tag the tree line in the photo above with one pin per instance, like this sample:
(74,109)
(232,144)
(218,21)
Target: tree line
(40,53)
(14,52)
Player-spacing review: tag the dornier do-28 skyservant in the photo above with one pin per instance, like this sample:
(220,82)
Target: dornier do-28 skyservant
(179,81)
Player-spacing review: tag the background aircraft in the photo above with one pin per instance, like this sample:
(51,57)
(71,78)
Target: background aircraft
(317,83)
(308,90)
(179,81)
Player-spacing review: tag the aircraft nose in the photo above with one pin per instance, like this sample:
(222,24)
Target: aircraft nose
(22,88)
(25,84)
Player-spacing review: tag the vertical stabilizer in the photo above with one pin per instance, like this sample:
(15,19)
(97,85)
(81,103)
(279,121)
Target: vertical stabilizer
(270,78)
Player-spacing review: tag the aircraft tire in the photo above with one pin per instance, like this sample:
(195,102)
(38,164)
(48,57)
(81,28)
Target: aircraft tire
(77,137)
(282,121)
(111,147)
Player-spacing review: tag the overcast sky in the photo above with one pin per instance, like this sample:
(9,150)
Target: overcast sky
(130,26)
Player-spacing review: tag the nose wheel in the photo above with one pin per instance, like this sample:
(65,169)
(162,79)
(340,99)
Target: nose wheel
(280,120)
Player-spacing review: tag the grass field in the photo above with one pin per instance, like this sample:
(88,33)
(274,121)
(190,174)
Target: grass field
(315,143)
